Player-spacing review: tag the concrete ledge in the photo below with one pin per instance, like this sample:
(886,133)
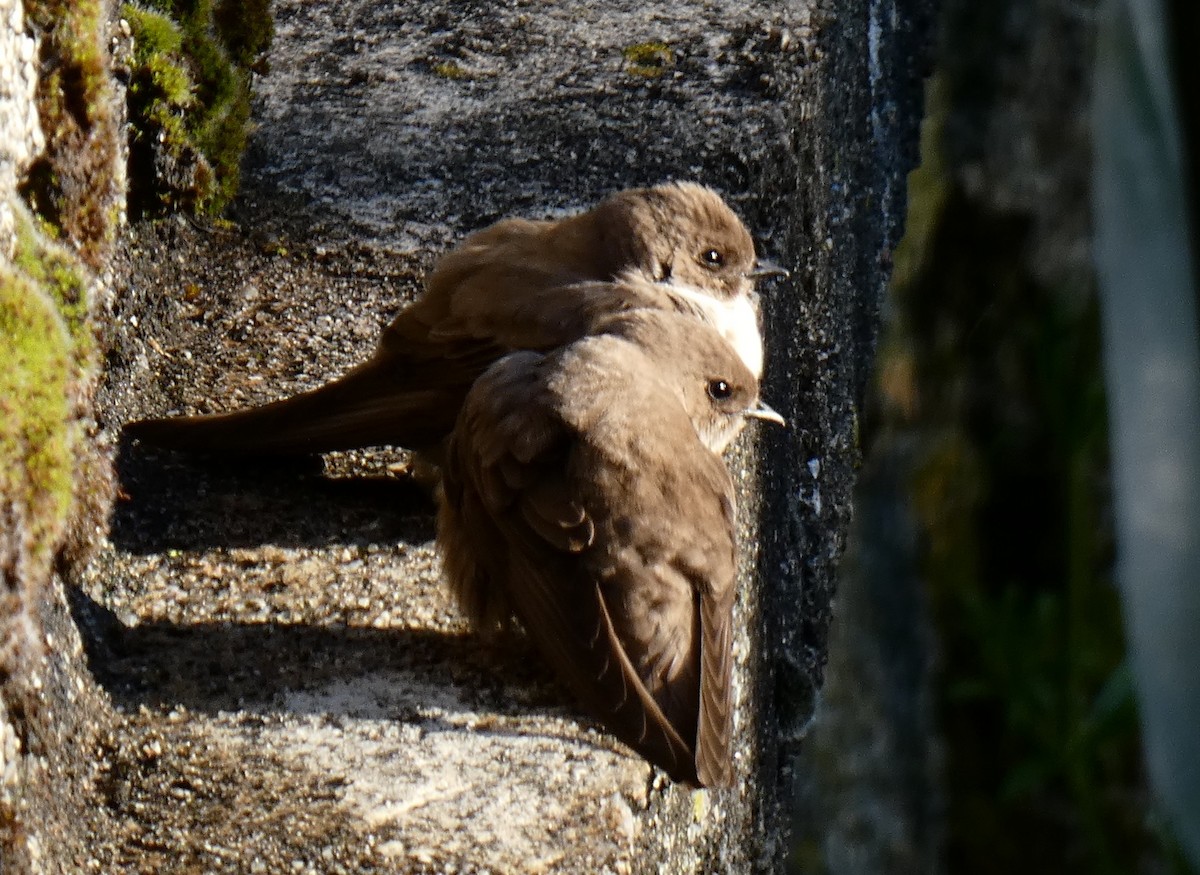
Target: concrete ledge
(291,686)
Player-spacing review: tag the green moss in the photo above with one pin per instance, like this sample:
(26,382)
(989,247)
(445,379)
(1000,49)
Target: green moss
(73,186)
(156,34)
(648,60)
(188,111)
(450,70)
(35,430)
(161,88)
(189,99)
(52,269)
(48,352)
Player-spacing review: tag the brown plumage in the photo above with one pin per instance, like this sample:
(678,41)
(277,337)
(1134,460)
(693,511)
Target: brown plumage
(584,494)
(516,285)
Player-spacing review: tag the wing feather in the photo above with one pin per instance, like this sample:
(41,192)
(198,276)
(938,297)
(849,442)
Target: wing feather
(635,618)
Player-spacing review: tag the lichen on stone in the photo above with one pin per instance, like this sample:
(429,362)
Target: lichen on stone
(648,60)
(450,69)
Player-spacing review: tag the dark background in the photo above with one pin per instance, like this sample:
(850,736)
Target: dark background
(980,714)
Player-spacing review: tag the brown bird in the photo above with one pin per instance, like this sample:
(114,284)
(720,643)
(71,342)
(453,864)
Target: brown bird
(518,284)
(584,494)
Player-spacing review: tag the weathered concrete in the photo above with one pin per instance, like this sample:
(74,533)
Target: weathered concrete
(296,691)
(21,137)
(52,714)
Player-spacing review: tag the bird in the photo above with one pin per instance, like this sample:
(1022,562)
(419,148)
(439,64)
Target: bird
(519,284)
(584,494)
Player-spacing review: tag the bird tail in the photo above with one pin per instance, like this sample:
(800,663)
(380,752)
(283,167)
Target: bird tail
(372,405)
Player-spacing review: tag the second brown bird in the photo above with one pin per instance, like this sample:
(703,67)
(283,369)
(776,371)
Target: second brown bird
(584,494)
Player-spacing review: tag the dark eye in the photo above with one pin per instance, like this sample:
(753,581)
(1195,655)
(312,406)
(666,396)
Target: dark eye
(712,258)
(719,390)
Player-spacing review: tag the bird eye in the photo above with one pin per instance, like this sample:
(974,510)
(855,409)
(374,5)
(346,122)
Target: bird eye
(712,258)
(719,390)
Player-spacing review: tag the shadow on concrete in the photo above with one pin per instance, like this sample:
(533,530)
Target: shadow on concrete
(185,501)
(273,668)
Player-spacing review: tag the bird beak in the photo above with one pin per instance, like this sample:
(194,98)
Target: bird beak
(765,268)
(766,412)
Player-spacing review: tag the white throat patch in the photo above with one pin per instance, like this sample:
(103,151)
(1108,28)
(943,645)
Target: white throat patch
(736,320)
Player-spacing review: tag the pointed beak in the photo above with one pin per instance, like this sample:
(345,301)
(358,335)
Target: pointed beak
(766,412)
(764,268)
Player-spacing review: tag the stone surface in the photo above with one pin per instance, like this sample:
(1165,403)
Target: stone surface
(294,690)
(20,134)
(52,714)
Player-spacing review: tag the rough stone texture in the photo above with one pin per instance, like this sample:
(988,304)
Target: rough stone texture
(20,134)
(52,714)
(295,691)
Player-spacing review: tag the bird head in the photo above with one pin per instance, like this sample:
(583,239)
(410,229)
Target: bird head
(700,368)
(681,233)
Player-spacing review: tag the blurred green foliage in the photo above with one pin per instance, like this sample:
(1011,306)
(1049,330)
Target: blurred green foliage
(999,375)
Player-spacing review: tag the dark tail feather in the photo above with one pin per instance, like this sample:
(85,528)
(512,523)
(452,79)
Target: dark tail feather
(369,406)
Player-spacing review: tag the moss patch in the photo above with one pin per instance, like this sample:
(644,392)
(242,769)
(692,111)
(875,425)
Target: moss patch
(189,99)
(35,436)
(449,70)
(648,60)
(73,185)
(57,275)
(45,359)
(49,347)
(49,351)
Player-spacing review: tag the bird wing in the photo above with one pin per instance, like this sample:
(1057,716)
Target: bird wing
(714,759)
(534,519)
(670,592)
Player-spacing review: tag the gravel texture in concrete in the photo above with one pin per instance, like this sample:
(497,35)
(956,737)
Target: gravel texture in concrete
(296,692)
